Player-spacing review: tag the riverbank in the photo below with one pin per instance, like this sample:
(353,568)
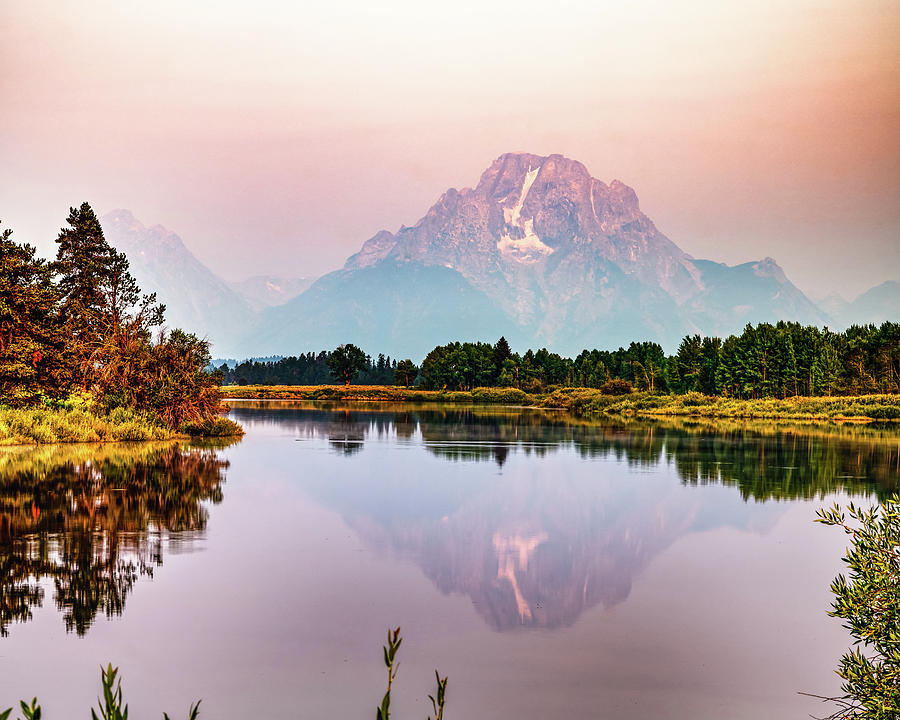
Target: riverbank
(861,408)
(377,393)
(33,426)
(589,402)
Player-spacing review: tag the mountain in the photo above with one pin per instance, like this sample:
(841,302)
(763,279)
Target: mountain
(540,252)
(404,309)
(268,291)
(833,305)
(876,305)
(196,299)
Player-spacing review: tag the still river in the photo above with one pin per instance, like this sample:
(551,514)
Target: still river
(551,568)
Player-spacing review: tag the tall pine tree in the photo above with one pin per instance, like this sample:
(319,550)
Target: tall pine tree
(34,362)
(106,317)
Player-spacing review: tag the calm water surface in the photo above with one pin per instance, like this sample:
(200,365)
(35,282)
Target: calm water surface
(552,569)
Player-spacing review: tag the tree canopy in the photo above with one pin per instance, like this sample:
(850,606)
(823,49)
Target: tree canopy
(82,323)
(346,362)
(35,360)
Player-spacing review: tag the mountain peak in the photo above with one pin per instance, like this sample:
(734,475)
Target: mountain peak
(542,252)
(527,209)
(196,299)
(767,267)
(121,217)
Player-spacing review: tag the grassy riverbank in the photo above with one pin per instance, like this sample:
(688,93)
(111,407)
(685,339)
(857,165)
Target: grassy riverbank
(588,402)
(863,408)
(378,393)
(29,426)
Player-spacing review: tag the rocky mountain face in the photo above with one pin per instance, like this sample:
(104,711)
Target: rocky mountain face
(541,252)
(196,299)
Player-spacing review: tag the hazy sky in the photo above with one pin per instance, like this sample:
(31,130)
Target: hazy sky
(277,137)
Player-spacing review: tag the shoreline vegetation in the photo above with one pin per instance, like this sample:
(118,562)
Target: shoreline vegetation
(47,425)
(589,402)
(85,356)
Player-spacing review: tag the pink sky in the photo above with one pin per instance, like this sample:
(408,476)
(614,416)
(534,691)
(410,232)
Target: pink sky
(275,138)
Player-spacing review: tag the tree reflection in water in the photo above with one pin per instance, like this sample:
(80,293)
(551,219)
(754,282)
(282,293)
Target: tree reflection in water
(763,459)
(533,549)
(93,519)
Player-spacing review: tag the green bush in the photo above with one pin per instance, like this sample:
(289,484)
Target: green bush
(883,412)
(616,386)
(868,601)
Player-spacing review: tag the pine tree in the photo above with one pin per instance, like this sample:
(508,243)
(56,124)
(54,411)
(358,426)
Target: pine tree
(107,319)
(686,367)
(406,372)
(34,361)
(499,355)
(709,365)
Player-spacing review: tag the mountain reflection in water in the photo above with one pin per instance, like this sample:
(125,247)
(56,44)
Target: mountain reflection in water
(534,551)
(93,519)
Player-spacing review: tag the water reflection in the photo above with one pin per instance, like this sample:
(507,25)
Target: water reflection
(764,460)
(534,550)
(93,519)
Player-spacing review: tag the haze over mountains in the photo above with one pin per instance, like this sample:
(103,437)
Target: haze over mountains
(196,299)
(538,251)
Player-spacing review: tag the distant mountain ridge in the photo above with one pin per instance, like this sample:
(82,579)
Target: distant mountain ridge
(539,251)
(876,305)
(543,253)
(196,299)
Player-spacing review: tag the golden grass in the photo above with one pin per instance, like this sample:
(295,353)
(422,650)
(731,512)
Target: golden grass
(375,393)
(35,426)
(864,408)
(585,402)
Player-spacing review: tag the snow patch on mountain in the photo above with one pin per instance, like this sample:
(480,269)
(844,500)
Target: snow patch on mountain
(520,242)
(527,249)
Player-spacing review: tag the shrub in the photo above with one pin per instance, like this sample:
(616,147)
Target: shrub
(213,427)
(883,412)
(616,386)
(695,399)
(869,603)
(501,396)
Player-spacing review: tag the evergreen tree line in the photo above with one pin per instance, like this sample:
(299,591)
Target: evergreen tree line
(311,369)
(781,360)
(81,324)
(766,360)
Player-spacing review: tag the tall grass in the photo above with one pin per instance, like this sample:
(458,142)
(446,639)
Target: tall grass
(111,705)
(50,425)
(27,426)
(378,393)
(586,402)
(589,402)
